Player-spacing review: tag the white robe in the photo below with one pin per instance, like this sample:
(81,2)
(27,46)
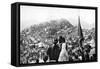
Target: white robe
(63,54)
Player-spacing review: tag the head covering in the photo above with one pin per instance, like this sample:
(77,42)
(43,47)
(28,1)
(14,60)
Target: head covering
(55,41)
(61,39)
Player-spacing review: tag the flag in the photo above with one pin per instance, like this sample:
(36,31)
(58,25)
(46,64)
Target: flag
(80,34)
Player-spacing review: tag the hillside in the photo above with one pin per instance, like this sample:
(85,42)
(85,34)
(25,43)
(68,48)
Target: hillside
(47,31)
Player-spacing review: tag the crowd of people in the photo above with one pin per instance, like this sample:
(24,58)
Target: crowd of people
(61,50)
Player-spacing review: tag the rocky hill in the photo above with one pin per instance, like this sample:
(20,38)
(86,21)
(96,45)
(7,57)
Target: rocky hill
(47,31)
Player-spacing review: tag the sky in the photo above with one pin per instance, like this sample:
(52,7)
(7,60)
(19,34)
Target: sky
(31,15)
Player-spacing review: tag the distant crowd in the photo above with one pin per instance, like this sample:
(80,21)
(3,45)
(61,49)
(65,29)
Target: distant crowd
(61,50)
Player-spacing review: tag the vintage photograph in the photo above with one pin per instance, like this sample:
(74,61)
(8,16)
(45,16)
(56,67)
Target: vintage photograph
(54,34)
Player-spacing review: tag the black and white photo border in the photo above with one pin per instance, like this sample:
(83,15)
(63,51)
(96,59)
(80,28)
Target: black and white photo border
(59,28)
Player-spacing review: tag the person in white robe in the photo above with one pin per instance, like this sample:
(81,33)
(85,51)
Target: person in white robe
(64,53)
